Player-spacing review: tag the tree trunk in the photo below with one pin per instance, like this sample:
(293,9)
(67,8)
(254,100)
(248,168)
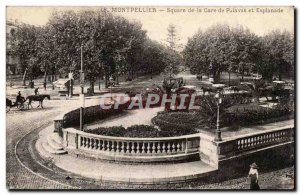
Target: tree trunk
(117,77)
(217,77)
(92,86)
(45,77)
(24,77)
(242,74)
(106,81)
(99,87)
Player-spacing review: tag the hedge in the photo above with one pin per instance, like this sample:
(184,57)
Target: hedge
(137,131)
(255,116)
(91,114)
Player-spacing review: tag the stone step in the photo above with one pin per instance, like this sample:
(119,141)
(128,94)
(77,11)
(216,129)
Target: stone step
(51,150)
(54,143)
(56,138)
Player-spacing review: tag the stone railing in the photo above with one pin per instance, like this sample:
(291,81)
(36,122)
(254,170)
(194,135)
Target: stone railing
(255,141)
(131,149)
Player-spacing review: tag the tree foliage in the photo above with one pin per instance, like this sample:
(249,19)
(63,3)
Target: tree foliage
(111,45)
(236,49)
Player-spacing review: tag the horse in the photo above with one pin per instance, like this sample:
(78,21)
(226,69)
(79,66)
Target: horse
(39,98)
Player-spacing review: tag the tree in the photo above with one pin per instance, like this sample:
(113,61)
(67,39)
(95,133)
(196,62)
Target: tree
(24,45)
(278,47)
(222,48)
(173,59)
(110,44)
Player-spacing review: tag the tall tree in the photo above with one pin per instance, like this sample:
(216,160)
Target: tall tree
(24,45)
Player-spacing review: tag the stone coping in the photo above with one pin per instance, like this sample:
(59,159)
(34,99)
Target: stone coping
(258,133)
(73,130)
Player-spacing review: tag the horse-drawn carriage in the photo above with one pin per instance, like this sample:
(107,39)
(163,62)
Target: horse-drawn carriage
(22,104)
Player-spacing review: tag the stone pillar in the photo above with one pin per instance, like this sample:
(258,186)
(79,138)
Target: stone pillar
(58,124)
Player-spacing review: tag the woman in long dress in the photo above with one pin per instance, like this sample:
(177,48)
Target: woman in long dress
(253,175)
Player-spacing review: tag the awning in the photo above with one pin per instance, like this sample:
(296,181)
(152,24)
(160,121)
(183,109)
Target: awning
(61,82)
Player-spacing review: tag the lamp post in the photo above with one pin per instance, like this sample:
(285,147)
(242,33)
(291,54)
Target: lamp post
(218,131)
(110,83)
(82,90)
(219,102)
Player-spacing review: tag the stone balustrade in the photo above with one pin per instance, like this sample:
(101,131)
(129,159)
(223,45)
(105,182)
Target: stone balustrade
(256,141)
(132,149)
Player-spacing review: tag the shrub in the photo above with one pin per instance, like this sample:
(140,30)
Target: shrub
(257,115)
(179,123)
(91,114)
(142,131)
(108,131)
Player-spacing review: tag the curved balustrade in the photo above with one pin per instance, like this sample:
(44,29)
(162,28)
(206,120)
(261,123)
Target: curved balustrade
(132,149)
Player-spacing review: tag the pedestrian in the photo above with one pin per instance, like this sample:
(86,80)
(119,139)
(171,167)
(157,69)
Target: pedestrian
(45,86)
(36,91)
(253,175)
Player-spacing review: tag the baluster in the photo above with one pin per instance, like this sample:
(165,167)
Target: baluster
(95,143)
(178,147)
(88,142)
(122,147)
(158,147)
(133,147)
(143,147)
(239,144)
(108,145)
(149,147)
(169,147)
(153,147)
(127,147)
(84,142)
(137,147)
(99,144)
(117,147)
(92,143)
(113,146)
(81,141)
(103,145)
(173,149)
(164,148)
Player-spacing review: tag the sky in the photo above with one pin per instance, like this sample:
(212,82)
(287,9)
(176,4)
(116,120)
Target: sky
(188,20)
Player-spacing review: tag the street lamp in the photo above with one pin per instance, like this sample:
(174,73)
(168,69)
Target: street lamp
(110,82)
(82,89)
(218,97)
(218,131)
